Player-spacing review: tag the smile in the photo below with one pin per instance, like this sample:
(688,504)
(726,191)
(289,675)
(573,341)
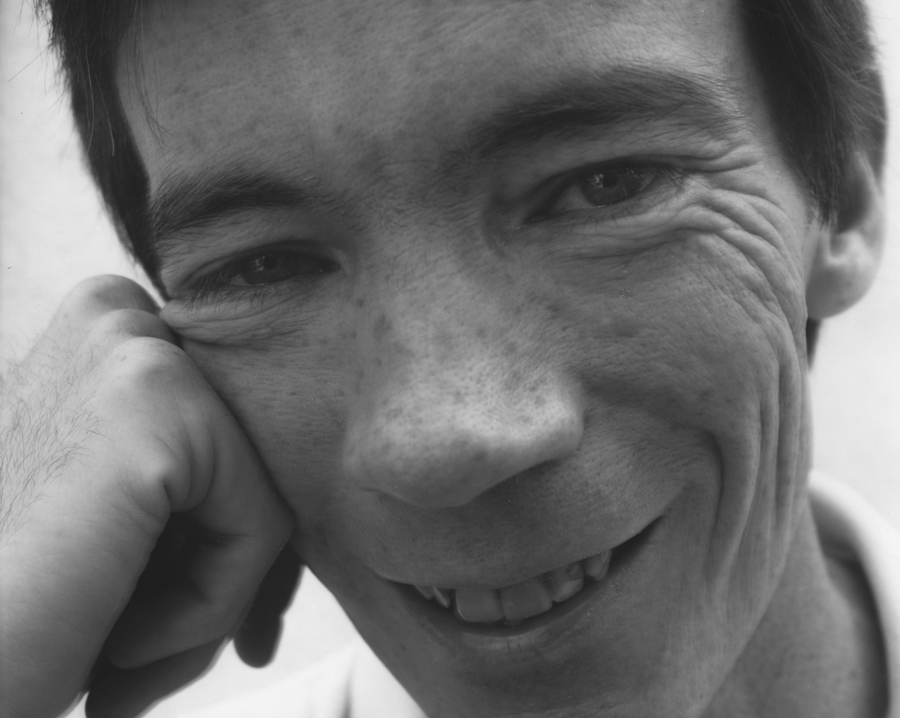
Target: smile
(513,604)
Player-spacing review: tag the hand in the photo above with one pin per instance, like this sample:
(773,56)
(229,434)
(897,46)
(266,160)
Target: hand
(111,444)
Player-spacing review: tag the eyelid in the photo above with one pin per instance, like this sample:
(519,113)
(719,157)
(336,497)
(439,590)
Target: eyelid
(550,192)
(216,282)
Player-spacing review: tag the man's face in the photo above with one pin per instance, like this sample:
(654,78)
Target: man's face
(494,288)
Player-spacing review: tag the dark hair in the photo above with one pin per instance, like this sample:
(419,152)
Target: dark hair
(816,59)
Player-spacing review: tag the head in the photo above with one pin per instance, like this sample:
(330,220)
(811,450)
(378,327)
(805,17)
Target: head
(497,287)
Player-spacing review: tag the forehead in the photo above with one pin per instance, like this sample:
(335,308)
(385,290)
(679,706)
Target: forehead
(400,77)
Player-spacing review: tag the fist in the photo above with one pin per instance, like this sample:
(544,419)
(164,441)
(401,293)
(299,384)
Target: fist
(136,520)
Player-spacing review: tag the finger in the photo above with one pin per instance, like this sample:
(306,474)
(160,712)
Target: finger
(119,693)
(257,637)
(87,303)
(244,527)
(120,324)
(99,295)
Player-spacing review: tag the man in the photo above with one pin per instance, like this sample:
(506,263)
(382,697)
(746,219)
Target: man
(496,314)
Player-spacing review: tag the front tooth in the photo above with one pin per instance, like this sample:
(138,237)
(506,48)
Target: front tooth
(565,582)
(597,566)
(478,605)
(443,596)
(526,599)
(426,591)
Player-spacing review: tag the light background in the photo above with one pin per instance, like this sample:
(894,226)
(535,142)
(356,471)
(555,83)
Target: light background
(53,232)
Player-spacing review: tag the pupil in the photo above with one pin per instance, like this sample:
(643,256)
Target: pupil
(269,268)
(613,185)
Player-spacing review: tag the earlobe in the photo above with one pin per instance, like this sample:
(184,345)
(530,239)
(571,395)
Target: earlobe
(847,254)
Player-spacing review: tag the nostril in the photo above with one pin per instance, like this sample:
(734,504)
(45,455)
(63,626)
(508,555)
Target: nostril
(423,471)
(447,460)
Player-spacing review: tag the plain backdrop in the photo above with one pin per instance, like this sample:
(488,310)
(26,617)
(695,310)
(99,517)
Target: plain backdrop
(53,232)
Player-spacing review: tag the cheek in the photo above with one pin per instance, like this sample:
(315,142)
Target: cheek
(290,399)
(698,329)
(705,332)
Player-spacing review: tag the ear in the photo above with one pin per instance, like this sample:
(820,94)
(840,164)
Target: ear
(847,254)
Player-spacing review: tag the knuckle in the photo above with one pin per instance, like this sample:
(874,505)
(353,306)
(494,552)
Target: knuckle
(150,351)
(129,322)
(109,290)
(148,360)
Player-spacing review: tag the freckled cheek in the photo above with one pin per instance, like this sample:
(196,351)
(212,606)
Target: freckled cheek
(291,403)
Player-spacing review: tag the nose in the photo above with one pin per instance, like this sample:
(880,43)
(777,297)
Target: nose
(446,410)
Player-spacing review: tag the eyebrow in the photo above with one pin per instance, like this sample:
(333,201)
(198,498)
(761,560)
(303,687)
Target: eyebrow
(194,201)
(595,101)
(616,97)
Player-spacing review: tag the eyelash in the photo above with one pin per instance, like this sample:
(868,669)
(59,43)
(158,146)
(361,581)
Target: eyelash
(218,284)
(555,189)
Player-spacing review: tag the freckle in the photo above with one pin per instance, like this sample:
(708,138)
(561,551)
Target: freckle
(444,339)
(555,309)
(360,302)
(511,347)
(393,414)
(625,329)
(401,350)
(382,326)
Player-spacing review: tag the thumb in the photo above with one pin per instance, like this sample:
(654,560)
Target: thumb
(257,637)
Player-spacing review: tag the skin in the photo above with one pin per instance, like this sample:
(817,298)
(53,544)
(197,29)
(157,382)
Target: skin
(471,397)
(456,376)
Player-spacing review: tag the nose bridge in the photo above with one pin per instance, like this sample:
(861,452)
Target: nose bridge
(454,394)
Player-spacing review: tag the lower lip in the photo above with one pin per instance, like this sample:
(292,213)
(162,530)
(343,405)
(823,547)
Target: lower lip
(558,625)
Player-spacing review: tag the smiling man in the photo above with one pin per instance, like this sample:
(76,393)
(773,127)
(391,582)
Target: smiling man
(496,314)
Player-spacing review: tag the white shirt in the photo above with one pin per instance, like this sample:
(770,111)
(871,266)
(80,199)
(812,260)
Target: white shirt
(354,684)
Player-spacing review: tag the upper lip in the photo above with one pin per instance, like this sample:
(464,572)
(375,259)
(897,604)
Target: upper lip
(507,576)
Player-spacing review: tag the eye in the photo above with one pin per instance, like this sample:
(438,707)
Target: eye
(278,266)
(611,185)
(262,270)
(598,187)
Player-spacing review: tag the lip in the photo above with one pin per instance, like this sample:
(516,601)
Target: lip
(556,627)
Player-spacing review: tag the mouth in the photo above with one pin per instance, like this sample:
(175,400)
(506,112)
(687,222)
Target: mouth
(517,603)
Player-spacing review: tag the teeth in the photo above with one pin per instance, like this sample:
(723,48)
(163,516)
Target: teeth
(526,599)
(513,604)
(426,591)
(597,566)
(565,582)
(443,596)
(478,605)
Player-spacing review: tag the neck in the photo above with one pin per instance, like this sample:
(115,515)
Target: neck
(817,651)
